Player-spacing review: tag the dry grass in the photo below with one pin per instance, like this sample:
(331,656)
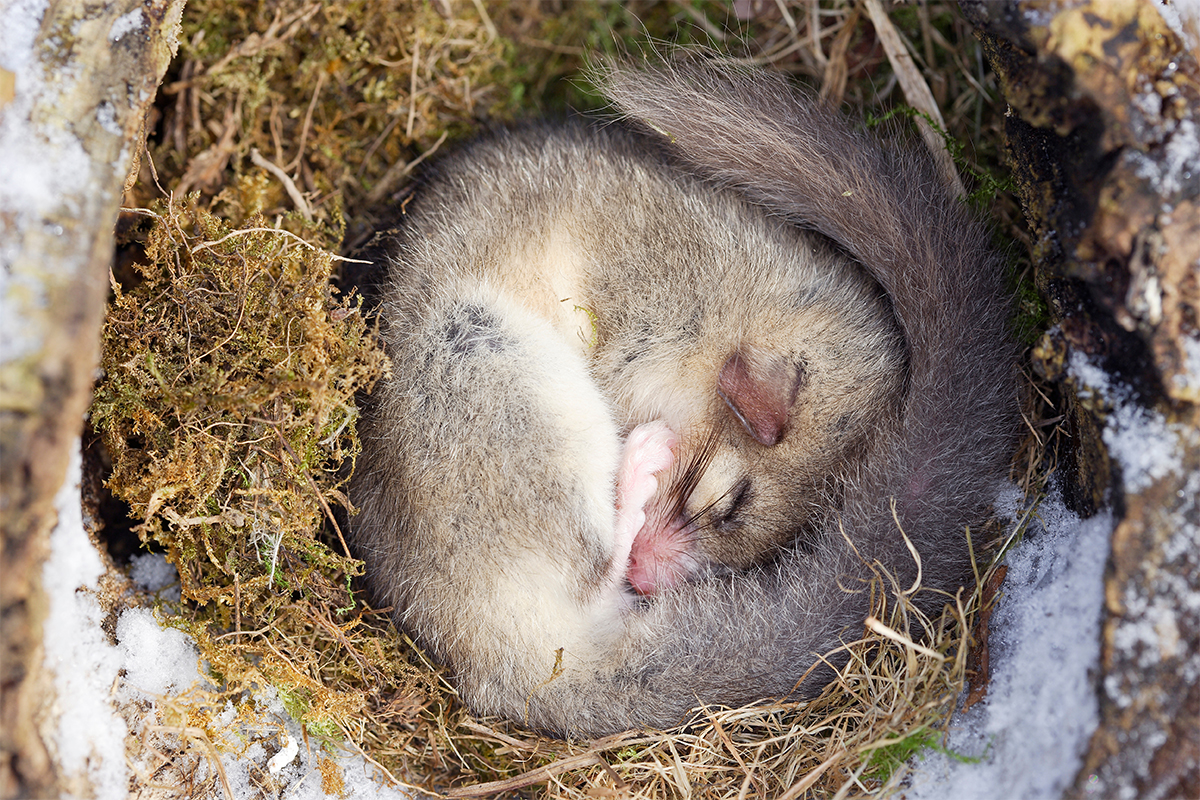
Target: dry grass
(227,406)
(851,741)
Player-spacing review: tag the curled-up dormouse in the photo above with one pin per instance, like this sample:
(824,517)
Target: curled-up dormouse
(661,392)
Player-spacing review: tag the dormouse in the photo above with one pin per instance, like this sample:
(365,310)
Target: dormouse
(663,390)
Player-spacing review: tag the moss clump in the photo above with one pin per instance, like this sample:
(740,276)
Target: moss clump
(227,397)
(334,94)
(227,407)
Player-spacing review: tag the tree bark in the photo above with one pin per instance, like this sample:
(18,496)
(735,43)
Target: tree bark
(1104,140)
(82,101)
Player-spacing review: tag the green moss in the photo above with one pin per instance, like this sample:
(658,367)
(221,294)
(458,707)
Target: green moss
(329,87)
(888,756)
(227,407)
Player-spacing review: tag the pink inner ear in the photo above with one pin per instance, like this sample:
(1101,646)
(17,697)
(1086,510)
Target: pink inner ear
(760,397)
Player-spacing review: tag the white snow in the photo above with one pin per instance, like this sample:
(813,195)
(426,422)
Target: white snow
(21,21)
(157,660)
(1140,439)
(153,573)
(1183,17)
(41,168)
(90,736)
(1177,168)
(106,115)
(1042,704)
(126,23)
(159,664)
(1188,378)
(41,165)
(1144,443)
(1181,158)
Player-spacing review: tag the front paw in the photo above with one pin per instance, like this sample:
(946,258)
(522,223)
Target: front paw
(649,450)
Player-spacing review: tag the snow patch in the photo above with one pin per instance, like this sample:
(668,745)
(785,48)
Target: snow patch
(1042,705)
(158,660)
(21,21)
(1183,17)
(1031,730)
(158,664)
(1140,439)
(1150,622)
(291,759)
(152,572)
(1175,172)
(40,167)
(106,116)
(1145,445)
(1181,158)
(89,736)
(126,23)
(1188,378)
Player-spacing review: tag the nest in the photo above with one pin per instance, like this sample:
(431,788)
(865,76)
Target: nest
(231,365)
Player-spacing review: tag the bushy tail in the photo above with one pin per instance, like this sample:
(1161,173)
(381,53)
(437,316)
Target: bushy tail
(737,641)
(891,211)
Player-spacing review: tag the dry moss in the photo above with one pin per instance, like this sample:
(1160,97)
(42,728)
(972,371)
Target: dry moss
(227,407)
(227,403)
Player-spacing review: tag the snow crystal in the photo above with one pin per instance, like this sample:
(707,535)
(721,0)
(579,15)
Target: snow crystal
(106,116)
(133,21)
(1181,158)
(153,573)
(21,22)
(1188,378)
(1091,380)
(40,168)
(1183,17)
(1140,439)
(1145,445)
(157,660)
(1175,172)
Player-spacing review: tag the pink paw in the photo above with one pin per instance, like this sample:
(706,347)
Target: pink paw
(649,450)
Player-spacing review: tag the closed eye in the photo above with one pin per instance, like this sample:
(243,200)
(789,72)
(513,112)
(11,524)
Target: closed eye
(741,494)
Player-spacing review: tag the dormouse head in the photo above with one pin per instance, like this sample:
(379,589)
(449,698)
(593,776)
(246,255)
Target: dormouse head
(763,468)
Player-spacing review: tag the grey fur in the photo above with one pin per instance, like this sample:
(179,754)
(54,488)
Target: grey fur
(554,286)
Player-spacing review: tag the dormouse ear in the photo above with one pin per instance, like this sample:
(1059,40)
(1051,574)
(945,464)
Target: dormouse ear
(761,393)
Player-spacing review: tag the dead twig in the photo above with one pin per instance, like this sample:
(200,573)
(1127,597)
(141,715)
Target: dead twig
(916,92)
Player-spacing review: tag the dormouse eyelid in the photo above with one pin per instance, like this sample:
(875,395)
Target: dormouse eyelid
(741,494)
